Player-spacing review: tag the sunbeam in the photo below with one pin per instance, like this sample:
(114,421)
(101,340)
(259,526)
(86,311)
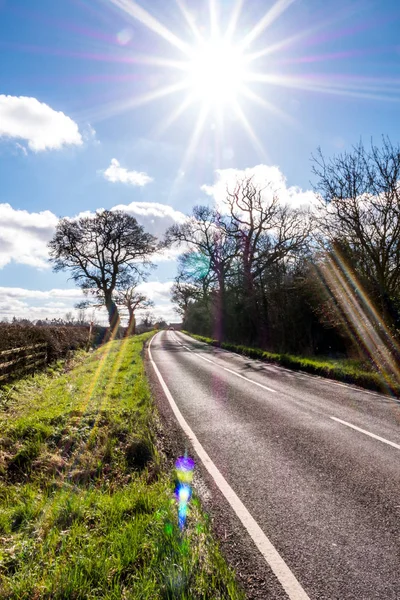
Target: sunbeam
(364,324)
(195,136)
(116,108)
(273,13)
(233,22)
(316,83)
(248,128)
(140,14)
(214,27)
(269,106)
(164,126)
(216,70)
(190,20)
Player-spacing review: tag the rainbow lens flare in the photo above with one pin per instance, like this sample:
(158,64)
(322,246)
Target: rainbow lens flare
(183,492)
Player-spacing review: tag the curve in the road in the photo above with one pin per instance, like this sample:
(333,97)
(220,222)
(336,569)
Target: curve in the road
(320,462)
(284,575)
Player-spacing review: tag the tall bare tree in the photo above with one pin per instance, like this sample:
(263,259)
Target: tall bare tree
(267,231)
(206,237)
(102,253)
(360,218)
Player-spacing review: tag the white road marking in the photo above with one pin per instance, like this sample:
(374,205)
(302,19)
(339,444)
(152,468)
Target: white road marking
(376,437)
(199,355)
(230,371)
(326,380)
(282,572)
(251,381)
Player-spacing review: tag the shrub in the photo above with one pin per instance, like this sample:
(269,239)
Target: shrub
(59,339)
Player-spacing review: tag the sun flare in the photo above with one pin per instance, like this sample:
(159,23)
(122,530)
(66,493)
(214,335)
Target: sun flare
(216,72)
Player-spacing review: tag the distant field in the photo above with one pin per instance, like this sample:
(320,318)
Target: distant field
(347,370)
(86,509)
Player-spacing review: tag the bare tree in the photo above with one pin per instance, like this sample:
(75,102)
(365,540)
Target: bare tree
(148,321)
(133,301)
(207,234)
(360,218)
(102,252)
(182,294)
(267,231)
(69,318)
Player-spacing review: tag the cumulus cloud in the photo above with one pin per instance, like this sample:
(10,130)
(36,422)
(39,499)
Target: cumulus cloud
(24,236)
(154,217)
(160,293)
(55,303)
(42,127)
(37,304)
(115,173)
(156,290)
(268,177)
(68,294)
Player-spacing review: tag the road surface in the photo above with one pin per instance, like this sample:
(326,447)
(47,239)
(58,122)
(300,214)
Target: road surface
(316,464)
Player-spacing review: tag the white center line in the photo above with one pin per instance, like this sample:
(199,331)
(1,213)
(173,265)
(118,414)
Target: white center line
(251,381)
(326,380)
(376,437)
(264,387)
(286,578)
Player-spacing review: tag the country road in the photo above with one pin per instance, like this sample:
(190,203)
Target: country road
(314,462)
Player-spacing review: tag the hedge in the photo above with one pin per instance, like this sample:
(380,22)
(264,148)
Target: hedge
(60,340)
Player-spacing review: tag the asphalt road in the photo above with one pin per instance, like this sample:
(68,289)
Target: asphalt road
(325,494)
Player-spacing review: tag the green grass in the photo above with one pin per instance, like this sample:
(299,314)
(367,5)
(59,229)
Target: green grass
(346,370)
(86,507)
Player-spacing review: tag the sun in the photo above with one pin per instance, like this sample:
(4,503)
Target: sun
(212,67)
(216,72)
(220,67)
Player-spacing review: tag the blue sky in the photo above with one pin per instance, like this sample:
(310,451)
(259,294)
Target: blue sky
(75,75)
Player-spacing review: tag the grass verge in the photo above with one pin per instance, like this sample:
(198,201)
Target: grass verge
(346,370)
(86,507)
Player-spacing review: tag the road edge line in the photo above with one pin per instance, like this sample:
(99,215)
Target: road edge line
(286,578)
(372,435)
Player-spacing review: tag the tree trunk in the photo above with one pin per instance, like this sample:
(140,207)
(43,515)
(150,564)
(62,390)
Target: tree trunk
(251,300)
(113,316)
(132,323)
(219,314)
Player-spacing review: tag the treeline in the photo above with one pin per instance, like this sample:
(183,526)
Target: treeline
(316,279)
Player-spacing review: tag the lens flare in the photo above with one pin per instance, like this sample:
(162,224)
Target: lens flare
(363,322)
(183,492)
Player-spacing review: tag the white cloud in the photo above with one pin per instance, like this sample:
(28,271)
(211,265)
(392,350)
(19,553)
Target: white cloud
(42,127)
(55,303)
(59,293)
(268,177)
(156,290)
(160,293)
(24,236)
(154,217)
(115,173)
(22,148)
(37,304)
